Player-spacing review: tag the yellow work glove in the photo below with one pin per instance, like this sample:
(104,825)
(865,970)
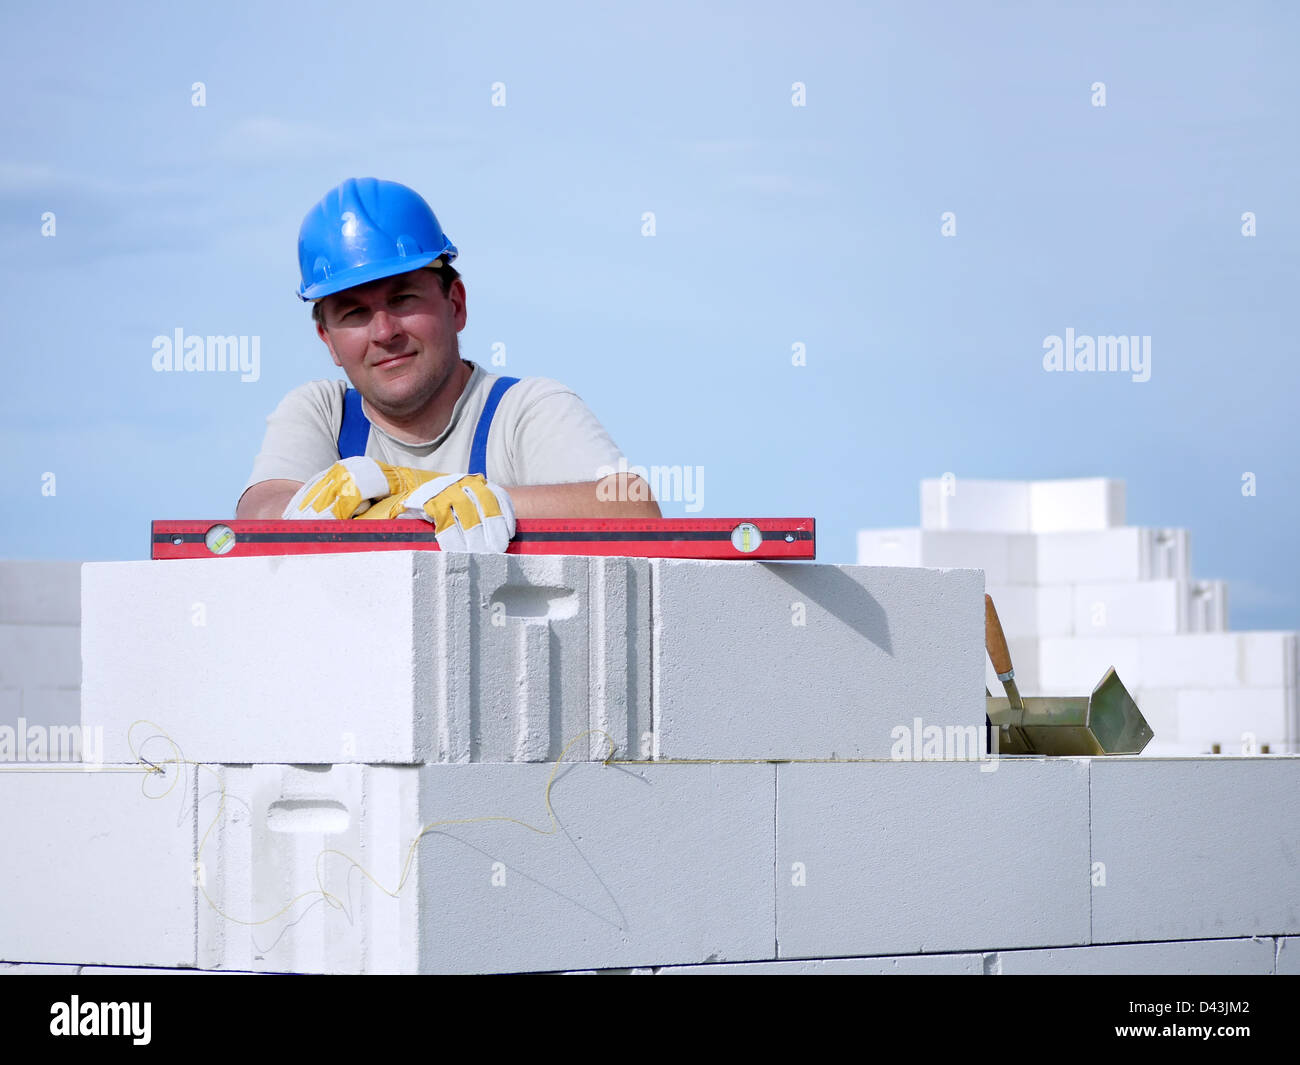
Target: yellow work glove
(468,512)
(346,489)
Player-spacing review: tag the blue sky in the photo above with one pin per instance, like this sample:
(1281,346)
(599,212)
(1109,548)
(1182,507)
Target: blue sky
(775,225)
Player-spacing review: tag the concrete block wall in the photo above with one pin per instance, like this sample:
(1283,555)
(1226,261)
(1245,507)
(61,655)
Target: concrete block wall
(1078,591)
(441,843)
(1041,865)
(40,655)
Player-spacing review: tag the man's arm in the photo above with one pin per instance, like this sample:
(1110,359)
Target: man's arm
(266,500)
(619,495)
(615,496)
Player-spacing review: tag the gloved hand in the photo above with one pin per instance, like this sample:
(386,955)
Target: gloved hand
(346,488)
(468,512)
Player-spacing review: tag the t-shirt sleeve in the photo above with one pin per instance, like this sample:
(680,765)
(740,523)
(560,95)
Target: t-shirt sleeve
(301,436)
(558,440)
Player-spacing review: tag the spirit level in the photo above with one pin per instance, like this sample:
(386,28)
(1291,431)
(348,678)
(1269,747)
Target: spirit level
(755,539)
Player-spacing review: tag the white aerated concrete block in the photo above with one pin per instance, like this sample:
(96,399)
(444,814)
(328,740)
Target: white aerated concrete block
(98,866)
(1160,708)
(286,858)
(1080,505)
(975,506)
(927,857)
(1136,608)
(1240,720)
(1074,665)
(20,969)
(1202,957)
(1269,659)
(40,656)
(773,660)
(384,657)
(1288,956)
(1193,660)
(40,593)
(643,865)
(309,658)
(1195,848)
(303,867)
(1111,556)
(902,965)
(1005,558)
(1027,611)
(1220,660)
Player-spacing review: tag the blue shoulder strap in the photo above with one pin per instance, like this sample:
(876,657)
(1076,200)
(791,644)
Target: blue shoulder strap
(478,453)
(355,430)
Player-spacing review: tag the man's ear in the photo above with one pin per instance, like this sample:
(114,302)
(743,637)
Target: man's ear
(456,295)
(323,333)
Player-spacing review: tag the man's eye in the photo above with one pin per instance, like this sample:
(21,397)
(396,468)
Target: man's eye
(355,310)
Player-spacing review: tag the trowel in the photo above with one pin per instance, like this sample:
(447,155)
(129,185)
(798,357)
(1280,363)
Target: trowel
(1106,722)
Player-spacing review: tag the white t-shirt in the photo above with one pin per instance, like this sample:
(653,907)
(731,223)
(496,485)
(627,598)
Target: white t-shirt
(542,434)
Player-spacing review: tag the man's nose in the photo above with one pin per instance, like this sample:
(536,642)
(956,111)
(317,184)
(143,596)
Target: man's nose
(383,326)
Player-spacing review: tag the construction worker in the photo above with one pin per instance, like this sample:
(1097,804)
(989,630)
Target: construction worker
(422,433)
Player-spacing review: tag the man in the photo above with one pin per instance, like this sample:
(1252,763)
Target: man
(422,433)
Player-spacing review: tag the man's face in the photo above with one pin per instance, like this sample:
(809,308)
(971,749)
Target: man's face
(395,338)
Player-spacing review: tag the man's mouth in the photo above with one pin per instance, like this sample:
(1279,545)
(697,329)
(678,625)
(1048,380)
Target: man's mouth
(395,359)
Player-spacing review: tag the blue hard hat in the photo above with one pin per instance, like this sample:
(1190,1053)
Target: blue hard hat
(365,229)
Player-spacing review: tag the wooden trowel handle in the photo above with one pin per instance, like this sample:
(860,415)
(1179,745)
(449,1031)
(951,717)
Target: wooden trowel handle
(994,639)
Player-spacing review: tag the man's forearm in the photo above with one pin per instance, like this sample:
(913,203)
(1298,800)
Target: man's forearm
(616,496)
(266,500)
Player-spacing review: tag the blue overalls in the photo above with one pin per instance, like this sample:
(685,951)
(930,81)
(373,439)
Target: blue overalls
(355,430)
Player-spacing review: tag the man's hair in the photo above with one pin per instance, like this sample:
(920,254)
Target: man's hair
(446,273)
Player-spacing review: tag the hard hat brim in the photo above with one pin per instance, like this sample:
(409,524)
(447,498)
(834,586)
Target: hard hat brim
(361,275)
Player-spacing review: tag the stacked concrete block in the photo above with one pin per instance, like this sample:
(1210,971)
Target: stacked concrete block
(975,506)
(314,870)
(1078,592)
(1194,848)
(98,865)
(917,857)
(643,865)
(1032,612)
(40,658)
(1080,505)
(783,661)
(1005,558)
(384,657)
(1092,503)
